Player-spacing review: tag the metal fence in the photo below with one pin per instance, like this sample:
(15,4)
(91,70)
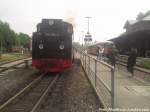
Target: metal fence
(101,76)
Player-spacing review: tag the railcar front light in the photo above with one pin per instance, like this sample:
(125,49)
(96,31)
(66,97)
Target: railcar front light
(40,46)
(51,22)
(61,46)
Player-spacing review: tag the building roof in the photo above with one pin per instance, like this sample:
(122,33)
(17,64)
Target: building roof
(132,22)
(129,23)
(146,18)
(99,44)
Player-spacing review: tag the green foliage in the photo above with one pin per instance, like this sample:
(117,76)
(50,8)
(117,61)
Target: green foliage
(9,38)
(10,57)
(141,15)
(145,63)
(76,44)
(24,40)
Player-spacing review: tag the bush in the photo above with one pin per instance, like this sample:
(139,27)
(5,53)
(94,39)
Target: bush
(145,63)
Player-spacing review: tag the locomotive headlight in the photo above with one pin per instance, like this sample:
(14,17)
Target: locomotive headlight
(61,46)
(40,46)
(51,22)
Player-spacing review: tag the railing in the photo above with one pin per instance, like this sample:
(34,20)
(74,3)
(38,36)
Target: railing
(101,76)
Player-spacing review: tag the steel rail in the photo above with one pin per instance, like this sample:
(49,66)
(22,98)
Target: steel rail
(12,66)
(39,102)
(22,91)
(2,63)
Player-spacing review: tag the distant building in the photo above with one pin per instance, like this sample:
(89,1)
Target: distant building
(128,25)
(137,35)
(16,48)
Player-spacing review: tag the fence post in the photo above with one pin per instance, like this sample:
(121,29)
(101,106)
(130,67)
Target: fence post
(79,54)
(26,64)
(85,62)
(89,64)
(83,59)
(73,55)
(95,72)
(112,88)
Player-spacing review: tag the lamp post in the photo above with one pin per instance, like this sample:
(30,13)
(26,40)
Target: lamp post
(1,47)
(82,37)
(88,24)
(88,37)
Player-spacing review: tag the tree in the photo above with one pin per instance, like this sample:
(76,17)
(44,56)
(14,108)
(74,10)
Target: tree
(1,40)
(141,15)
(24,40)
(9,38)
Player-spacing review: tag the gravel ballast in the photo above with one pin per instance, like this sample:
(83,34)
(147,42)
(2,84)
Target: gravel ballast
(73,93)
(12,81)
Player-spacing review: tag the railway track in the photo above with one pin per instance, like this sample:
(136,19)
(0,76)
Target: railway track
(12,64)
(29,98)
(123,62)
(6,62)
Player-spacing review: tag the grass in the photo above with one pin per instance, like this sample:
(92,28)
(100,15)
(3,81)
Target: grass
(11,57)
(145,63)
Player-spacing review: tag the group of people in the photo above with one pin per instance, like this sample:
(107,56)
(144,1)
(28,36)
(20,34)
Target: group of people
(112,57)
(110,54)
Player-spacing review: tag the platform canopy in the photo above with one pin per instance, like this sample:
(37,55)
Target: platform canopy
(137,35)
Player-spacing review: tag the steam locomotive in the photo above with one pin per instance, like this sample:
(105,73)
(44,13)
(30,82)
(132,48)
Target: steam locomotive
(52,45)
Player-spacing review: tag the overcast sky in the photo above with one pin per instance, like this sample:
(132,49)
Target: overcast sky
(108,16)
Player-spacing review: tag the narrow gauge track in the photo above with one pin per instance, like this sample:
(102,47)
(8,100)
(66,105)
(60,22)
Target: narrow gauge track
(6,62)
(31,96)
(123,62)
(12,64)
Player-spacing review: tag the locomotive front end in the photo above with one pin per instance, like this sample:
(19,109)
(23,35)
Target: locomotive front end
(51,45)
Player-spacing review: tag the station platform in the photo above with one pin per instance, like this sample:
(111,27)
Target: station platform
(130,92)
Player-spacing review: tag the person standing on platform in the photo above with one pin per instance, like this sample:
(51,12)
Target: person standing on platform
(112,55)
(132,60)
(100,53)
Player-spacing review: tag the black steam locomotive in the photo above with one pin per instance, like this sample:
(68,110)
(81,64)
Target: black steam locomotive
(52,45)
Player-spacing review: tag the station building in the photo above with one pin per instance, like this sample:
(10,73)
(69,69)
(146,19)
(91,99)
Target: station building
(137,35)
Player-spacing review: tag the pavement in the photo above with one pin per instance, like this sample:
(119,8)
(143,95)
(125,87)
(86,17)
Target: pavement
(129,91)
